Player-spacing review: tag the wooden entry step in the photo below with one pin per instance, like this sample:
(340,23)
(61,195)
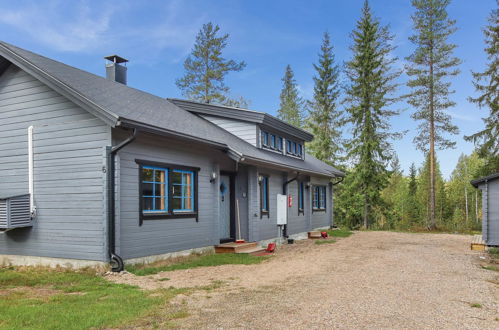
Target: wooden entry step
(314,234)
(477,243)
(233,247)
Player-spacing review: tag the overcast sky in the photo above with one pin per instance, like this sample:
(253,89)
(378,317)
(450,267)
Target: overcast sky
(156,36)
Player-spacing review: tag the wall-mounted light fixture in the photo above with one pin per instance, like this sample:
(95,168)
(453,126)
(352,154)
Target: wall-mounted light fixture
(260,179)
(307,185)
(213,176)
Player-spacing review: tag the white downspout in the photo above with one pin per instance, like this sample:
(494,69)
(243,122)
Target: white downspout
(30,173)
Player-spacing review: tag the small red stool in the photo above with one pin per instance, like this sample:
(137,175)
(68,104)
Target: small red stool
(271,247)
(324,234)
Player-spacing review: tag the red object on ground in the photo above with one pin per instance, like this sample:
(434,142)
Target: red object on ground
(270,247)
(324,234)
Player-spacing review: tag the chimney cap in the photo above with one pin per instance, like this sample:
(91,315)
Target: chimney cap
(116,59)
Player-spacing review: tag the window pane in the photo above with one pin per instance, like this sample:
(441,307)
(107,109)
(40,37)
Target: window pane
(176,177)
(177,203)
(188,204)
(147,174)
(280,144)
(147,189)
(177,190)
(147,204)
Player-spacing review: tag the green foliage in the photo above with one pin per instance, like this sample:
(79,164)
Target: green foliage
(464,199)
(36,298)
(486,83)
(342,232)
(290,109)
(324,116)
(206,68)
(368,100)
(430,67)
(198,261)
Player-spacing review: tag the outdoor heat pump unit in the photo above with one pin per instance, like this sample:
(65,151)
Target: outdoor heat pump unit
(282,210)
(15,212)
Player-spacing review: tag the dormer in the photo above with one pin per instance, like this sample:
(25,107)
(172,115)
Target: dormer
(260,129)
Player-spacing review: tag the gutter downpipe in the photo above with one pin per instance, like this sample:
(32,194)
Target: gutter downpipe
(117,264)
(285,192)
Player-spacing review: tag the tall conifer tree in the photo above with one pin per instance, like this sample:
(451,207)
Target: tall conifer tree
(324,115)
(429,68)
(487,84)
(368,101)
(290,109)
(206,68)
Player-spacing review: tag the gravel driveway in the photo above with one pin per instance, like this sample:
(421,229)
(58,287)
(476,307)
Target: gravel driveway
(369,280)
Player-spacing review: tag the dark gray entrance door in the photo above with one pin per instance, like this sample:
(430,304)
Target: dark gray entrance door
(224,221)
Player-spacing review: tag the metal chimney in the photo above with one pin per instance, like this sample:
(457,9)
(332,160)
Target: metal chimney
(116,69)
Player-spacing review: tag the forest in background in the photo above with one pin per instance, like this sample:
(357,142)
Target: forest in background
(351,111)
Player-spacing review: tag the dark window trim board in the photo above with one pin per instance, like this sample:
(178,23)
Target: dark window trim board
(170,214)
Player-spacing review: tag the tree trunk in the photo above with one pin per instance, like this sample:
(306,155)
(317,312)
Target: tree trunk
(366,222)
(466,202)
(432,224)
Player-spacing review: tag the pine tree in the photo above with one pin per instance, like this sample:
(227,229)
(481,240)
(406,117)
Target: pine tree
(205,69)
(430,65)
(368,99)
(290,109)
(412,190)
(324,114)
(487,83)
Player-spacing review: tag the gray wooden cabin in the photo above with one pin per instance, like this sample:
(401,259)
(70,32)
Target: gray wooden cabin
(113,173)
(489,186)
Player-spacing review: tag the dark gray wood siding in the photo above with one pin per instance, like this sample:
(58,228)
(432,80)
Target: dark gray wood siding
(298,223)
(69,146)
(156,237)
(490,210)
(322,219)
(244,130)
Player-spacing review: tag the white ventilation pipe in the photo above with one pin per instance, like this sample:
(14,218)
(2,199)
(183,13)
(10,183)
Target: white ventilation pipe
(30,173)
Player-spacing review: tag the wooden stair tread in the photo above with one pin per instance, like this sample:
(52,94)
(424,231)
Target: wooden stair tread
(314,234)
(252,250)
(233,247)
(477,243)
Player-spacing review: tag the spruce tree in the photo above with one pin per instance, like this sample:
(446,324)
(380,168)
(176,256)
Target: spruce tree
(206,68)
(324,115)
(290,109)
(430,67)
(486,83)
(368,100)
(412,190)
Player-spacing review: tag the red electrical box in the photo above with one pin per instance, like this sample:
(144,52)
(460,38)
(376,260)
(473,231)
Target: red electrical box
(290,201)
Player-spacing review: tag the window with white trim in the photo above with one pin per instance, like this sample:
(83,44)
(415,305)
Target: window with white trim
(319,198)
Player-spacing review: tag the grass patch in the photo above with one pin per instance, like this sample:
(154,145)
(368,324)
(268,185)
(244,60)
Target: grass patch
(494,253)
(195,261)
(342,232)
(328,241)
(476,305)
(36,298)
(491,267)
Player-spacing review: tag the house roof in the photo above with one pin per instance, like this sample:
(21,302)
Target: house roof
(244,115)
(491,177)
(121,105)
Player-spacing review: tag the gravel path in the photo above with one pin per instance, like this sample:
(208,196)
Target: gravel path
(369,280)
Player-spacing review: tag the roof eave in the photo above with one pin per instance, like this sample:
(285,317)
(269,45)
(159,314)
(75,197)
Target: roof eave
(257,161)
(475,183)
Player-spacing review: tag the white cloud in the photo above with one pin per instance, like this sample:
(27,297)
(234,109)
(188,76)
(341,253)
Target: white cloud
(54,25)
(79,27)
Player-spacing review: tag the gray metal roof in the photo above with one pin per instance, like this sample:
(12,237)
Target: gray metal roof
(491,177)
(121,105)
(245,115)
